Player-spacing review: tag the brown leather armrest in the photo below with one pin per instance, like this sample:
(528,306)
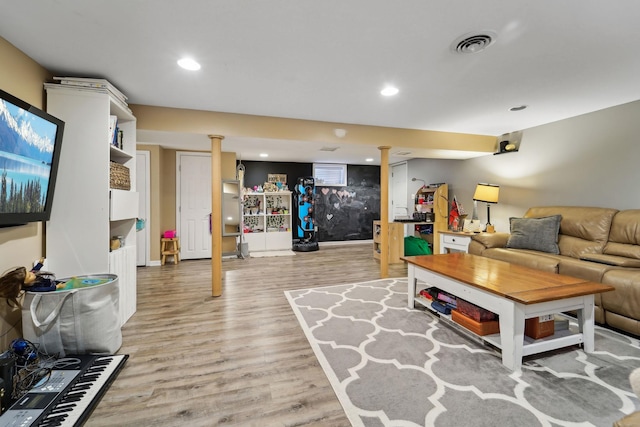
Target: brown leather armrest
(631,420)
(617,261)
(492,240)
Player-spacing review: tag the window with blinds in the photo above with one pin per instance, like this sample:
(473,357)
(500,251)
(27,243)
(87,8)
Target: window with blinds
(330,174)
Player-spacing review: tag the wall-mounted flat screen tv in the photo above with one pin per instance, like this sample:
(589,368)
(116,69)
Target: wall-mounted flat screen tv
(30,143)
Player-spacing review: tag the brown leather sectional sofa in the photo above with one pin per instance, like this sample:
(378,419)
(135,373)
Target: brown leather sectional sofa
(596,244)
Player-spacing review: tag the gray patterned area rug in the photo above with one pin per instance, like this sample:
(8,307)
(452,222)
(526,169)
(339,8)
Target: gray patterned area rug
(394,366)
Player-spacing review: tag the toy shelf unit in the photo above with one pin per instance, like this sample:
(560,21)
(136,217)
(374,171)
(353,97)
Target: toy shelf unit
(432,211)
(424,201)
(95,198)
(267,221)
(396,241)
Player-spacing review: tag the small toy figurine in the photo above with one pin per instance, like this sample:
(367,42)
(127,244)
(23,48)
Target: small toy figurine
(19,279)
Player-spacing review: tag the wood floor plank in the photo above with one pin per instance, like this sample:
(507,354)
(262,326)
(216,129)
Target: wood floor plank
(240,359)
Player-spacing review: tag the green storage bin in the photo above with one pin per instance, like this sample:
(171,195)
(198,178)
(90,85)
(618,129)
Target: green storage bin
(416,246)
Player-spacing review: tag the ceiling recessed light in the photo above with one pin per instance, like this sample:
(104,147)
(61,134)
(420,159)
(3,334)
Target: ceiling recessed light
(188,64)
(389,91)
(264,155)
(340,133)
(368,160)
(518,108)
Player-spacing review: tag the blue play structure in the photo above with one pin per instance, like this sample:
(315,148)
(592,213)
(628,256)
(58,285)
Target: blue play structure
(306,231)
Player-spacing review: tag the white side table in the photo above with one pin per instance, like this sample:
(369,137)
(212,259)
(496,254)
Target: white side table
(454,241)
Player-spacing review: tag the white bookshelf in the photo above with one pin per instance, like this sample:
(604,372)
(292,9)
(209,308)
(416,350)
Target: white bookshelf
(268,216)
(86,211)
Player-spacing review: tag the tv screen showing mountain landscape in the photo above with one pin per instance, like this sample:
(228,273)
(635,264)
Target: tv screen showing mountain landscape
(26,153)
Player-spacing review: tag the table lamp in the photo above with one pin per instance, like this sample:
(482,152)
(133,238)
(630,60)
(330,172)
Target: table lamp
(487,193)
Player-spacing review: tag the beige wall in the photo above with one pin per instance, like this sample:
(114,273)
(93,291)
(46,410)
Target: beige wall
(168,190)
(19,246)
(588,160)
(228,124)
(23,79)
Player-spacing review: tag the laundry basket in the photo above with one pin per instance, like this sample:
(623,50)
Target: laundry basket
(79,319)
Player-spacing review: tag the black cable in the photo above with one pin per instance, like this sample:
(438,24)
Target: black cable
(31,367)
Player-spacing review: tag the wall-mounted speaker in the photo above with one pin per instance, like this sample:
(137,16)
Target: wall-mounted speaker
(509,142)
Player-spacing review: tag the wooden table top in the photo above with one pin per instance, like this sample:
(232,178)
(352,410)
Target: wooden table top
(515,282)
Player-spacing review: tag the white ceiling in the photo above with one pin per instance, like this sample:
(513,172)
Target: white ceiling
(328,60)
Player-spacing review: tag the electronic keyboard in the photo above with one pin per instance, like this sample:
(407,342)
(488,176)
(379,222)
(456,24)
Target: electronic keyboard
(68,396)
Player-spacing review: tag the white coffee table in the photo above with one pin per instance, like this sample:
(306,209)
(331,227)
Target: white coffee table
(514,293)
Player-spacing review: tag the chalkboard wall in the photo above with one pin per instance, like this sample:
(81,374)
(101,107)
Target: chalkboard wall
(342,213)
(255,173)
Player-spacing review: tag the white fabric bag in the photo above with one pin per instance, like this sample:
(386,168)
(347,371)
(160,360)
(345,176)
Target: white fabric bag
(74,321)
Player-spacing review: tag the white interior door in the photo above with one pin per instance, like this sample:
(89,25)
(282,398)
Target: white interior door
(194,204)
(399,195)
(142,187)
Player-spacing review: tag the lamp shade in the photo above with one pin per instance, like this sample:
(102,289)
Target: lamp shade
(487,193)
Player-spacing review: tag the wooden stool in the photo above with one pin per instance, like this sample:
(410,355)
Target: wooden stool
(170,247)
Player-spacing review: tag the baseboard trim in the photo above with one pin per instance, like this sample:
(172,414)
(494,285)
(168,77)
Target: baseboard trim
(320,244)
(346,243)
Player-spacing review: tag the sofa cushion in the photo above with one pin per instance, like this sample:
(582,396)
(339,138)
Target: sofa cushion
(624,238)
(591,271)
(582,229)
(538,234)
(531,259)
(625,300)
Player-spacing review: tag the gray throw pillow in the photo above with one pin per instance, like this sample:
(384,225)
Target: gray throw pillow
(537,234)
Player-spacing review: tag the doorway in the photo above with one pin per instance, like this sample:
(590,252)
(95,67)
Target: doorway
(193,199)
(399,206)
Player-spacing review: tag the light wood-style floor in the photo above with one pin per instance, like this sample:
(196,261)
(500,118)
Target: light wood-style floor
(236,360)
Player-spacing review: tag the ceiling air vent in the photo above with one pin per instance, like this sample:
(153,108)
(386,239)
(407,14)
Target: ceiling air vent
(474,42)
(330,149)
(402,153)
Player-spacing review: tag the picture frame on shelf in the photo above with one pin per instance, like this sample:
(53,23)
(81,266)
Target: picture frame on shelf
(277,177)
(472,226)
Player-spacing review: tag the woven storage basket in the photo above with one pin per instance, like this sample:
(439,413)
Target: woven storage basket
(119,177)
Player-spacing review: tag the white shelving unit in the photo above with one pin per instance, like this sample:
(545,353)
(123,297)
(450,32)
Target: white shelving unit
(436,201)
(86,211)
(267,221)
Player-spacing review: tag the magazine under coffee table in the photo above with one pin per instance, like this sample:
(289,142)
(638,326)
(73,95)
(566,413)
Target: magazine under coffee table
(514,293)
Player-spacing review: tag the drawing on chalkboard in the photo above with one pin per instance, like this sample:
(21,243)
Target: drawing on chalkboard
(347,213)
